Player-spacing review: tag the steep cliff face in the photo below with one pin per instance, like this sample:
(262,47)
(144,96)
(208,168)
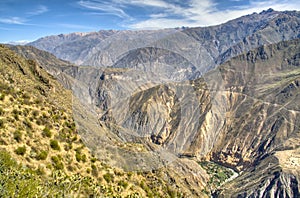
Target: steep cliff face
(240,115)
(263,97)
(263,100)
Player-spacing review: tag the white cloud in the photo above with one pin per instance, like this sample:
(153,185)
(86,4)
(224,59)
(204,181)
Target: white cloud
(194,13)
(104,7)
(13,20)
(20,42)
(153,3)
(205,13)
(76,26)
(40,10)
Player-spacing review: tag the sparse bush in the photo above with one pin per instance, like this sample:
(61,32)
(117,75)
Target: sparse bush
(1,111)
(25,112)
(42,155)
(70,168)
(108,177)
(2,96)
(38,121)
(146,189)
(46,132)
(16,117)
(27,123)
(57,163)
(38,101)
(83,158)
(21,150)
(18,135)
(93,159)
(42,121)
(54,145)
(40,171)
(35,113)
(56,117)
(78,156)
(26,102)
(122,183)
(26,96)
(94,170)
(16,112)
(1,123)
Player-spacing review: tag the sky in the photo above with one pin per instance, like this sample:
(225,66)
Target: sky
(28,20)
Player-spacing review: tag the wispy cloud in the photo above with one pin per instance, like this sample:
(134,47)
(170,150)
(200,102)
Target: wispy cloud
(19,42)
(105,7)
(41,9)
(76,26)
(13,20)
(202,13)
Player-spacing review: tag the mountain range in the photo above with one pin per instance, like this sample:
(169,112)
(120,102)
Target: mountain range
(209,111)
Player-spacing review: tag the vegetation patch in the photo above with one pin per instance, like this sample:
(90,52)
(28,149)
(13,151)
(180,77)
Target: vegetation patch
(218,175)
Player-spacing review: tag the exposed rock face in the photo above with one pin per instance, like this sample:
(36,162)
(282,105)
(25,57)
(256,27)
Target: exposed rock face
(239,115)
(263,125)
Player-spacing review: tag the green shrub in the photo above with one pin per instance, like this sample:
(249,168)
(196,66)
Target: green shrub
(2,123)
(42,155)
(78,156)
(57,163)
(2,96)
(1,111)
(54,145)
(18,135)
(93,159)
(21,150)
(122,183)
(46,132)
(108,177)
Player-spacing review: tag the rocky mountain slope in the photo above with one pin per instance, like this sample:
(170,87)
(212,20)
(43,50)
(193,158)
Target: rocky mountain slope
(242,115)
(159,101)
(203,47)
(41,151)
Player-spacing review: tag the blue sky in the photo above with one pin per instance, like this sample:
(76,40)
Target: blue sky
(28,20)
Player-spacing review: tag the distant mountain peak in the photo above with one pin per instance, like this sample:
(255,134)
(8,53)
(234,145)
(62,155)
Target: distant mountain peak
(268,10)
